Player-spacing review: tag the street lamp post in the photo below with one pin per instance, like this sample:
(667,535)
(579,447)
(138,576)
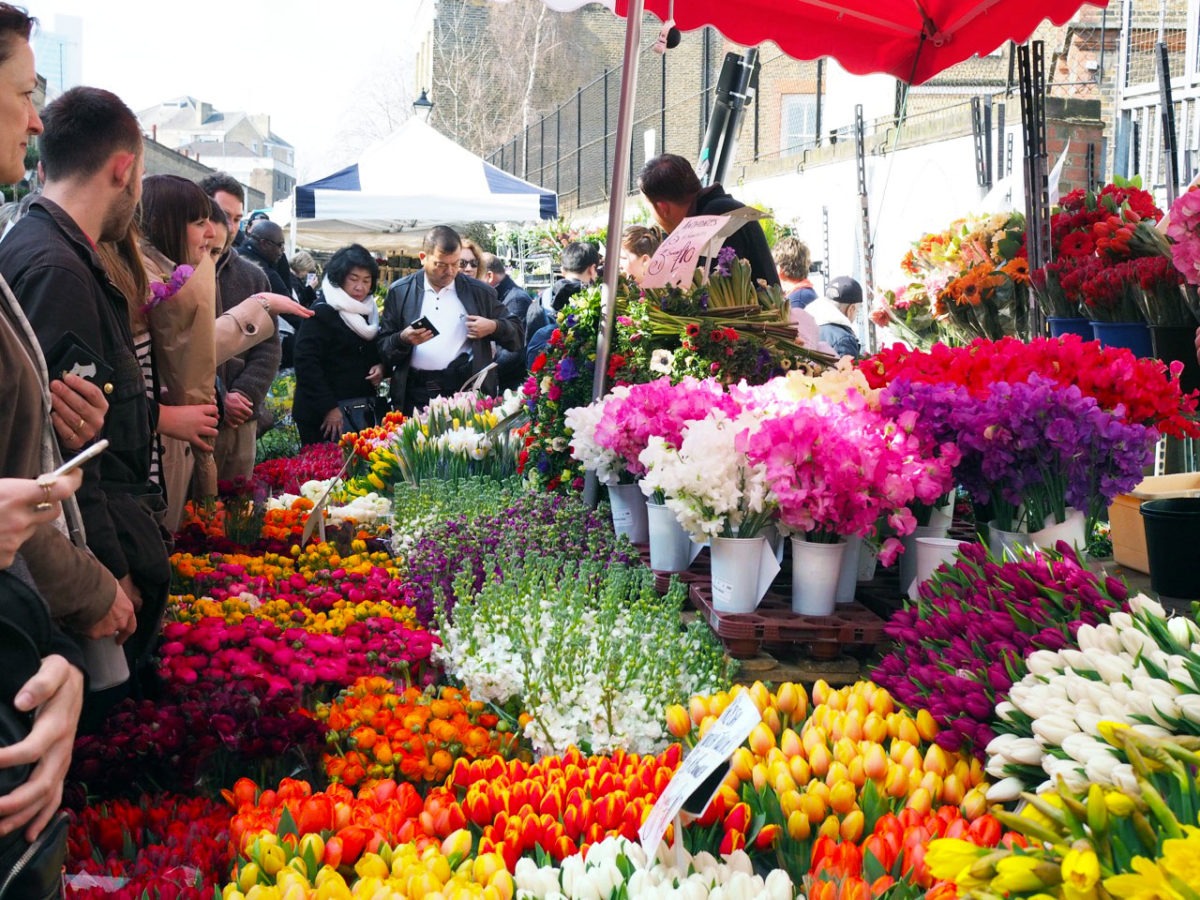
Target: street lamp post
(423,107)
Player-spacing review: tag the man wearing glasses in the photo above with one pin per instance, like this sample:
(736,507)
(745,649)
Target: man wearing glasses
(438,326)
(264,247)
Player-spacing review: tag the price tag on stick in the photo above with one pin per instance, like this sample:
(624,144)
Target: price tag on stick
(714,749)
(695,238)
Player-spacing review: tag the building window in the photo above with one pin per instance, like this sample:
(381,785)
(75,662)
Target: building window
(797,123)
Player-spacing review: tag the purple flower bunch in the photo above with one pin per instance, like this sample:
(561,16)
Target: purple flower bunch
(658,409)
(161,291)
(1043,447)
(963,643)
(477,546)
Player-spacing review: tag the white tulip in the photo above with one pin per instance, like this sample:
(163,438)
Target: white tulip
(692,889)
(704,862)
(1076,659)
(1189,705)
(1004,790)
(1043,662)
(1183,631)
(1099,768)
(1120,690)
(1086,705)
(779,886)
(1140,603)
(1120,621)
(996,767)
(1135,642)
(739,862)
(1112,667)
(1155,731)
(1107,637)
(1166,711)
(1123,778)
(1089,721)
(1053,728)
(1004,709)
(1085,637)
(1024,751)
(1155,687)
(1139,704)
(1081,747)
(1068,769)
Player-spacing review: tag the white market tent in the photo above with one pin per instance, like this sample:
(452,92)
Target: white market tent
(401,187)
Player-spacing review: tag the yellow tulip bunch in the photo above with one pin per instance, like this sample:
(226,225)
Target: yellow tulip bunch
(445,872)
(855,748)
(1107,842)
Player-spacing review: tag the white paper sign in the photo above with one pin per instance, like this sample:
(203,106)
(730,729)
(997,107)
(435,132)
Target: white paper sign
(726,735)
(694,238)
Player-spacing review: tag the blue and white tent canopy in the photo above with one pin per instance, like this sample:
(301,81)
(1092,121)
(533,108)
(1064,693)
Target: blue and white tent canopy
(404,185)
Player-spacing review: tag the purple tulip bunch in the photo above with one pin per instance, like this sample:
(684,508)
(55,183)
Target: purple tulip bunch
(963,643)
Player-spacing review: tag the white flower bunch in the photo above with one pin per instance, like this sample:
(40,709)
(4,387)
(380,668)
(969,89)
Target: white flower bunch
(283,501)
(365,510)
(1140,669)
(582,421)
(465,442)
(782,393)
(708,482)
(592,653)
(315,490)
(617,867)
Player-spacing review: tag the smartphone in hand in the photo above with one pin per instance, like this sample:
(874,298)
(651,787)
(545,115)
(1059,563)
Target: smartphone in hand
(427,325)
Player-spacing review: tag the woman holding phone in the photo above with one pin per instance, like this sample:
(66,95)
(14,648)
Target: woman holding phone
(337,362)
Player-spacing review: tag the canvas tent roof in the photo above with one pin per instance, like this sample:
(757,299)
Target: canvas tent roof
(400,187)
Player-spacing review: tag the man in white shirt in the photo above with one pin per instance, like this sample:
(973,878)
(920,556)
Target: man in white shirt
(438,326)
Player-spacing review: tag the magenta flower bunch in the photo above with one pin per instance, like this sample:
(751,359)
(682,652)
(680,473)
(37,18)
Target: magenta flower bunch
(963,643)
(839,468)
(657,409)
(269,660)
(162,291)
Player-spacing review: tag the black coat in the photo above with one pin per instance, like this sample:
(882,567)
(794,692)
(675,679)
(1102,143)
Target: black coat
(331,365)
(748,242)
(403,307)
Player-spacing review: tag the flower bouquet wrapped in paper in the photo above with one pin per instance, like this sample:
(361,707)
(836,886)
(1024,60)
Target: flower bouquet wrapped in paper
(181,316)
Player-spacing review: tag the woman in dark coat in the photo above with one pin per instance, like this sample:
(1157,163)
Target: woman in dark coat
(336,355)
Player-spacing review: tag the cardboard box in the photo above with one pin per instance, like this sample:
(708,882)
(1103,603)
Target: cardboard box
(1125,515)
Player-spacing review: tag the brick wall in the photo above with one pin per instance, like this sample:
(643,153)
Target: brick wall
(1079,122)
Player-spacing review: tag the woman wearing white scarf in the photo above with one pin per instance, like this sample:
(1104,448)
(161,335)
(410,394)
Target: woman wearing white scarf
(337,363)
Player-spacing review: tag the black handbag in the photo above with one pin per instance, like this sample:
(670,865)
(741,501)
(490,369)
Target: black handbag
(28,871)
(359,413)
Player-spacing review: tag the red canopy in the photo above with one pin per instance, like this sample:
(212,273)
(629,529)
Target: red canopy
(909,39)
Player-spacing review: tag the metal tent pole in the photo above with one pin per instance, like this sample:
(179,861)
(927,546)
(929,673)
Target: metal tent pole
(616,212)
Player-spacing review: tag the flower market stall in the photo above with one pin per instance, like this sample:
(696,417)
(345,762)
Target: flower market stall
(467,683)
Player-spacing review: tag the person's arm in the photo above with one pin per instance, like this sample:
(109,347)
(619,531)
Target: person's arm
(261,365)
(393,350)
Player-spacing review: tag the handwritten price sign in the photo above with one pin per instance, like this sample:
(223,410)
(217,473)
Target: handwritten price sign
(676,257)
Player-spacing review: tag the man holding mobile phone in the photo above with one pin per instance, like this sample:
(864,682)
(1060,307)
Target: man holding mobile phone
(466,316)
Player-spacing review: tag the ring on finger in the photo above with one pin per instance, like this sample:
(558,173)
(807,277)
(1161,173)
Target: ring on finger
(80,425)
(43,506)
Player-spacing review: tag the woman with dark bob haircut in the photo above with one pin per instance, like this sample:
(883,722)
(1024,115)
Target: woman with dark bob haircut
(337,363)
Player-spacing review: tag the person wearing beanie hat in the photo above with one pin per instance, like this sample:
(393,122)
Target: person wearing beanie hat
(835,315)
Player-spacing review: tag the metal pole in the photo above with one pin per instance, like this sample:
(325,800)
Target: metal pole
(1166,111)
(860,158)
(1031,62)
(616,210)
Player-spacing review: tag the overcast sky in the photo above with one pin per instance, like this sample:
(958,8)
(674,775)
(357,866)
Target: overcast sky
(306,63)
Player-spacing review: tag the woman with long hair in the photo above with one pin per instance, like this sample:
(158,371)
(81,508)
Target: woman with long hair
(175,236)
